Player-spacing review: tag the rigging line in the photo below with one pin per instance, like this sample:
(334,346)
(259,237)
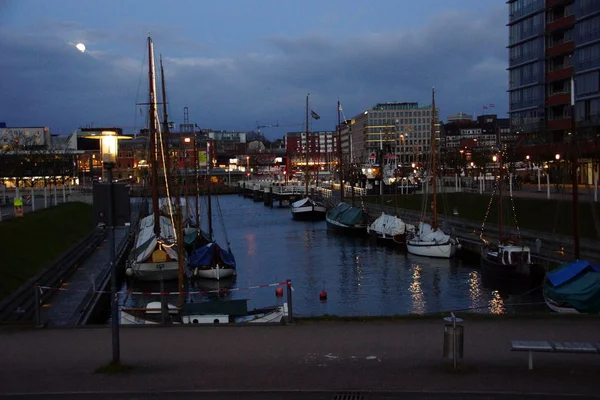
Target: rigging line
(137,94)
(487,212)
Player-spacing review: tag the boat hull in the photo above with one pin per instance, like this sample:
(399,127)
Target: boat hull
(529,274)
(337,227)
(164,271)
(561,309)
(396,242)
(309,213)
(213,273)
(431,249)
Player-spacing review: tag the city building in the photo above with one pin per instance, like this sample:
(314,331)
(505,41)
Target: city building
(554,45)
(323,149)
(402,129)
(466,136)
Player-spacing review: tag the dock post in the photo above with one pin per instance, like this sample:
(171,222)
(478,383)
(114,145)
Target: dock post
(290,317)
(64,192)
(164,307)
(32,199)
(36,297)
(271,196)
(45,197)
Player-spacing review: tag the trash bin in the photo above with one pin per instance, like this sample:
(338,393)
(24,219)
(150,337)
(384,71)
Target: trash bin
(449,333)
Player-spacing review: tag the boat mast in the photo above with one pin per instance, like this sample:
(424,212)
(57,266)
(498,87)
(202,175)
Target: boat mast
(153,138)
(180,255)
(340,153)
(196,181)
(208,170)
(434,223)
(306,149)
(500,177)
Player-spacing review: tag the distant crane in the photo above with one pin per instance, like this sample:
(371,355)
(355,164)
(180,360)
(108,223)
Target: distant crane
(276,125)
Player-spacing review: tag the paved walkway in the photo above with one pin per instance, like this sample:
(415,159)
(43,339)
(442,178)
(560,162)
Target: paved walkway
(390,356)
(65,307)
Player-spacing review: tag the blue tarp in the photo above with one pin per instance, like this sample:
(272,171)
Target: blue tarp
(211,254)
(570,271)
(348,215)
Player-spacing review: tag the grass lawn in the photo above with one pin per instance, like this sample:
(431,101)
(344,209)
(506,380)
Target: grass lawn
(553,216)
(31,243)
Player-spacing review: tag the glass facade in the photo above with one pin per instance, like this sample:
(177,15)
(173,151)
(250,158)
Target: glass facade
(587,62)
(526,63)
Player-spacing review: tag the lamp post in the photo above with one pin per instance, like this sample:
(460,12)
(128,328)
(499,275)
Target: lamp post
(109,147)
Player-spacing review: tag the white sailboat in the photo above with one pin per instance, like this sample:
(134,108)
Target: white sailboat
(308,209)
(154,256)
(429,240)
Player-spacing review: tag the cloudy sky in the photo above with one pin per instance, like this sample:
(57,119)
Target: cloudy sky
(235,62)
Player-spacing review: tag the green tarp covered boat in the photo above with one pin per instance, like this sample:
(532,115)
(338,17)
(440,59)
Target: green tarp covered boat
(574,288)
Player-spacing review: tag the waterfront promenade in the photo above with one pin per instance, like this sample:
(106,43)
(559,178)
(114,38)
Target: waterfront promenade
(404,355)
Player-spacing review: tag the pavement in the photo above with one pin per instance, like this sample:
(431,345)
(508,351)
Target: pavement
(329,360)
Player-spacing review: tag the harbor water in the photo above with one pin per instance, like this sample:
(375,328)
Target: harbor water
(360,278)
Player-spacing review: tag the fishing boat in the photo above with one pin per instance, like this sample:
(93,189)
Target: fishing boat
(211,312)
(308,208)
(573,288)
(155,255)
(210,261)
(507,260)
(429,240)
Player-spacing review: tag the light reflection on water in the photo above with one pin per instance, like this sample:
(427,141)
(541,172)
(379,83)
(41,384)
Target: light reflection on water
(361,278)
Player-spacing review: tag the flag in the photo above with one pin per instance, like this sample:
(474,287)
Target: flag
(492,105)
(314,115)
(485,107)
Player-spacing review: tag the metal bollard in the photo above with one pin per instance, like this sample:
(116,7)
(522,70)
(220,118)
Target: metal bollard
(290,317)
(36,297)
(453,339)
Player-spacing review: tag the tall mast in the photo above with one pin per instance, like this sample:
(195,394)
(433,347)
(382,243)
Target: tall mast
(196,180)
(341,165)
(208,170)
(500,181)
(180,255)
(306,150)
(434,224)
(153,138)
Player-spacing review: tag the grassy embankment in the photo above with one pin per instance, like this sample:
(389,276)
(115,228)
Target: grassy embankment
(30,243)
(551,216)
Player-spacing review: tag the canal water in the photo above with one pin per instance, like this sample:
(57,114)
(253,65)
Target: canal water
(360,278)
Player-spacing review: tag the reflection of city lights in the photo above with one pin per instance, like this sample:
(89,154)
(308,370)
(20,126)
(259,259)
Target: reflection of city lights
(474,289)
(418,301)
(497,304)
(251,244)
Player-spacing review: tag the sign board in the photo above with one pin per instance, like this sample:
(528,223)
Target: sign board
(24,136)
(202,158)
(18,203)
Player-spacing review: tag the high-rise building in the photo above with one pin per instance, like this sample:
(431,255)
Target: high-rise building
(551,43)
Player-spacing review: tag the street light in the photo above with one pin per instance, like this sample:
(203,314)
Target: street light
(109,143)
(109,147)
(557,156)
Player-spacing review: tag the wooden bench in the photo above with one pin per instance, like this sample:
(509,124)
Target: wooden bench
(553,347)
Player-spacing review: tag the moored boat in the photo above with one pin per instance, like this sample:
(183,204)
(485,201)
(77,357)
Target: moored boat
(573,288)
(347,220)
(510,263)
(308,209)
(390,230)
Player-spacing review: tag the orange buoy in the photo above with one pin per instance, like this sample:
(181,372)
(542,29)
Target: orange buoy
(278,291)
(323,295)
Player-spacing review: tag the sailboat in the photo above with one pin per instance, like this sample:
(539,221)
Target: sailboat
(507,260)
(429,240)
(155,256)
(345,218)
(210,261)
(308,209)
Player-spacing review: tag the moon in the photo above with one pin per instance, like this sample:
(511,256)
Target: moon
(81,47)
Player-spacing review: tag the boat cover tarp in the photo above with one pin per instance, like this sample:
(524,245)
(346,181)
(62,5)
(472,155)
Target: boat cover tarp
(191,236)
(146,240)
(211,254)
(388,225)
(347,215)
(570,271)
(427,234)
(577,284)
